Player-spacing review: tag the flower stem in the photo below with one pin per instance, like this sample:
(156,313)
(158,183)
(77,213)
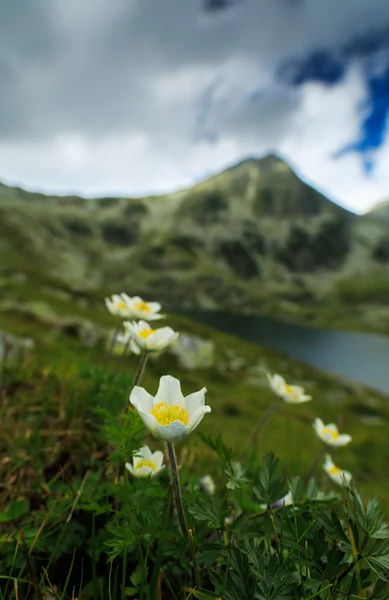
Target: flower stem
(141,368)
(139,373)
(315,463)
(264,421)
(194,560)
(112,344)
(176,488)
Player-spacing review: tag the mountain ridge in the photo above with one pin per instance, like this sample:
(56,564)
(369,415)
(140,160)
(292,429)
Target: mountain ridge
(253,238)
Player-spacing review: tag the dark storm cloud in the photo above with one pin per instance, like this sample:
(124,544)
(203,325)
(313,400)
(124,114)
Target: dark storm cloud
(329,66)
(61,73)
(216,5)
(29,44)
(180,86)
(322,65)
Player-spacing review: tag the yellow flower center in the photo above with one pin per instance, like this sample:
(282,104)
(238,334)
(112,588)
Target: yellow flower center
(144,334)
(289,389)
(335,470)
(142,306)
(145,463)
(331,432)
(121,305)
(166,414)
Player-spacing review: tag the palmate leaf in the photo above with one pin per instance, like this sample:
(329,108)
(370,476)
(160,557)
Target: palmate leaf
(235,476)
(314,494)
(206,509)
(271,485)
(217,445)
(379,565)
(274,582)
(380,591)
(210,552)
(377,526)
(334,529)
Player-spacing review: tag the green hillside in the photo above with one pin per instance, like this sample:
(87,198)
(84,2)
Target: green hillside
(254,238)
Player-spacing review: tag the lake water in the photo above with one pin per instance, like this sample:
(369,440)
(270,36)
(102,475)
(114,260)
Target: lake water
(356,356)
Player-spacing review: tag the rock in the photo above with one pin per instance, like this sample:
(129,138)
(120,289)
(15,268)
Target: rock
(193,352)
(13,347)
(86,331)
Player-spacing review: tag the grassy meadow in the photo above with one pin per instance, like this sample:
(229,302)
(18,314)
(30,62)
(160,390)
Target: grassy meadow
(56,448)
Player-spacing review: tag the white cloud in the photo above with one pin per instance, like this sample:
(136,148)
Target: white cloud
(134,98)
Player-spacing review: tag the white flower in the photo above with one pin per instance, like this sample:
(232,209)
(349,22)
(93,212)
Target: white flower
(146,463)
(291,394)
(136,308)
(118,305)
(287,500)
(330,435)
(125,339)
(207,484)
(140,309)
(169,416)
(335,473)
(148,339)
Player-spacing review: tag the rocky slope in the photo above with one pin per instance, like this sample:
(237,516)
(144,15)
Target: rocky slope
(253,238)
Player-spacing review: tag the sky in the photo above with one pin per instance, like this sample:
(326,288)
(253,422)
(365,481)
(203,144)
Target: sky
(139,97)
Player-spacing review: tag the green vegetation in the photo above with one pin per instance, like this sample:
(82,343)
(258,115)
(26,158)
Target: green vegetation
(74,524)
(254,238)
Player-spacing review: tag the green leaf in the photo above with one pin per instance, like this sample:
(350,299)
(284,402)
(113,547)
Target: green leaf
(235,476)
(271,486)
(217,445)
(210,552)
(15,510)
(207,510)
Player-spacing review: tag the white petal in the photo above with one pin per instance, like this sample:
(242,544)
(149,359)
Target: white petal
(149,420)
(332,426)
(141,399)
(134,347)
(130,467)
(155,306)
(197,417)
(173,432)
(194,401)
(144,471)
(158,459)
(169,391)
(318,425)
(343,440)
(277,383)
(141,325)
(141,454)
(145,453)
(328,462)
(298,390)
(292,399)
(153,316)
(160,338)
